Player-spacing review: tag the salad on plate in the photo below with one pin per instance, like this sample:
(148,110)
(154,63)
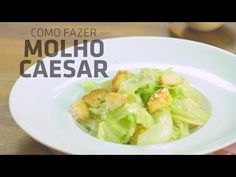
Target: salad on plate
(150,107)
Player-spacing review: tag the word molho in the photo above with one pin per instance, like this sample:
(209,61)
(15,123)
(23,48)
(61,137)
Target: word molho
(60,61)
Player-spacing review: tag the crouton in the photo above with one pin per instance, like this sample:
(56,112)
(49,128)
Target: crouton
(138,131)
(170,79)
(95,97)
(120,77)
(79,111)
(115,100)
(159,100)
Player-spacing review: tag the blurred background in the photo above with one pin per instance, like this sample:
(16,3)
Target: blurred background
(13,140)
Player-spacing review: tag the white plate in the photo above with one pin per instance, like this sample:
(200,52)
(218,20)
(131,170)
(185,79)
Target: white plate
(40,105)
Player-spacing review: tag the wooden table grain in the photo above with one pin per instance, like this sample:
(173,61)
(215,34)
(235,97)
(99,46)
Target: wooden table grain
(13,140)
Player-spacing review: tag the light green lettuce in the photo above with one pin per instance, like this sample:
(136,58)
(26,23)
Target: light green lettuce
(188,111)
(118,127)
(120,124)
(135,81)
(160,132)
(133,124)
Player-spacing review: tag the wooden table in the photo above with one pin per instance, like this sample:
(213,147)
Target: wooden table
(13,140)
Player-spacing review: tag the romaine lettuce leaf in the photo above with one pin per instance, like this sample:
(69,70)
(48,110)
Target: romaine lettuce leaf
(132,123)
(135,81)
(160,132)
(121,123)
(144,118)
(181,130)
(188,111)
(117,129)
(146,91)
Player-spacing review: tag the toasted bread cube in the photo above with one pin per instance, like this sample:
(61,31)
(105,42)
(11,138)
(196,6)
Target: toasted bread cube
(79,111)
(120,77)
(138,131)
(159,100)
(170,79)
(95,97)
(115,100)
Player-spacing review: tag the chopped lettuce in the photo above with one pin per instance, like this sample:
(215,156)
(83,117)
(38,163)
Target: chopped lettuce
(180,130)
(118,127)
(160,132)
(188,111)
(144,118)
(133,123)
(146,91)
(135,81)
(121,123)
